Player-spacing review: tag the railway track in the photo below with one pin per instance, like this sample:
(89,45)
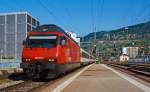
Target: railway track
(25,86)
(139,71)
(18,82)
(34,85)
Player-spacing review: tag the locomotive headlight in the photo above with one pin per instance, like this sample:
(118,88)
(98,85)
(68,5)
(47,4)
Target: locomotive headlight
(51,60)
(27,60)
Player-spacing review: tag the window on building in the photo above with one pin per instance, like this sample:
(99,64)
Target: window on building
(29,28)
(21,19)
(33,22)
(2,20)
(38,23)
(28,19)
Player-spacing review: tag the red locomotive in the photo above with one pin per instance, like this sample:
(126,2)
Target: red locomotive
(49,51)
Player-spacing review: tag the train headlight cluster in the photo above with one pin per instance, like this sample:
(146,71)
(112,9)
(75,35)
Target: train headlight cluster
(51,60)
(27,60)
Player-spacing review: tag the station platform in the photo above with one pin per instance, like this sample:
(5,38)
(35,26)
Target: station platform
(100,78)
(95,78)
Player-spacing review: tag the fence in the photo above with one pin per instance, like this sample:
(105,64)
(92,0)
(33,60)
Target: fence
(9,63)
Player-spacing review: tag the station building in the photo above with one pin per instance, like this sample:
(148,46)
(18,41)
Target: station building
(13,30)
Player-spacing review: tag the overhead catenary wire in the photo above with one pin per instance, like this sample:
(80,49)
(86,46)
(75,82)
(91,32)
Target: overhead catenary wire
(100,12)
(132,14)
(68,14)
(67,24)
(96,19)
(12,7)
(141,12)
(100,17)
(148,14)
(93,25)
(96,15)
(92,16)
(52,14)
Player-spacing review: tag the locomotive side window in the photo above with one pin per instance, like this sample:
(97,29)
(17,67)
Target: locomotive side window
(42,41)
(63,41)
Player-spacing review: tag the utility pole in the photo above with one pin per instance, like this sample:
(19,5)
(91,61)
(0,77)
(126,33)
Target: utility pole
(145,45)
(114,42)
(95,44)
(1,54)
(95,34)
(126,28)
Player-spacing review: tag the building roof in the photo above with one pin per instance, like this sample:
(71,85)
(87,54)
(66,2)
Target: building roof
(13,13)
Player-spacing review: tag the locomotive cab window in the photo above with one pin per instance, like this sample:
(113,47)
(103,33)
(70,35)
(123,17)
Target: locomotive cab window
(42,41)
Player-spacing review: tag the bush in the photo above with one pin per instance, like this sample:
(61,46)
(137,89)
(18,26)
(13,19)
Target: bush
(11,57)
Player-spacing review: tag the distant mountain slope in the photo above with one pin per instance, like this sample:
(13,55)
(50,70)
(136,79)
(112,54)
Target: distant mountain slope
(137,31)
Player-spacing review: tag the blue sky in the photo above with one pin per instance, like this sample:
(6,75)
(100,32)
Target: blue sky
(83,16)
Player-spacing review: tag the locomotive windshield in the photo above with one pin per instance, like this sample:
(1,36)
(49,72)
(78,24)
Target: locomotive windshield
(41,41)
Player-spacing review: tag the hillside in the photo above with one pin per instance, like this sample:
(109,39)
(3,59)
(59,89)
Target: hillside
(109,43)
(137,31)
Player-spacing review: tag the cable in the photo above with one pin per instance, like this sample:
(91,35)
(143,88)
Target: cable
(52,14)
(92,16)
(147,16)
(69,16)
(9,5)
(141,12)
(100,11)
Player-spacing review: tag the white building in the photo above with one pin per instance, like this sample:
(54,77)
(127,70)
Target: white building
(130,51)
